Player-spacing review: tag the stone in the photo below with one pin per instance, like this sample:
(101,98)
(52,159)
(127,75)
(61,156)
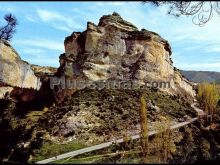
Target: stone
(115,49)
(15,73)
(41,71)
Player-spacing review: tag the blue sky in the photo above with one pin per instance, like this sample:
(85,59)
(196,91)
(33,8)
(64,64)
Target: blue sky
(43,27)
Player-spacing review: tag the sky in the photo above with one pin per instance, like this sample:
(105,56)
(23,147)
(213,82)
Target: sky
(43,27)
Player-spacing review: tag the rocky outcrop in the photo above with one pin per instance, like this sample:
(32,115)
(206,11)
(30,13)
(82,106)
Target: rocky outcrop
(116,49)
(15,74)
(42,71)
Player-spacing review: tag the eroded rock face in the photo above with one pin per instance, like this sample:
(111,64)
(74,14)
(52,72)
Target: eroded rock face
(14,72)
(115,49)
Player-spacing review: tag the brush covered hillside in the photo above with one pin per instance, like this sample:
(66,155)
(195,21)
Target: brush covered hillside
(202,76)
(115,66)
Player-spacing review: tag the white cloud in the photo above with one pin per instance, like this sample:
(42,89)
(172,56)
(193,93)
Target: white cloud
(32,50)
(58,21)
(175,30)
(191,48)
(39,56)
(109,3)
(208,34)
(64,28)
(176,54)
(82,13)
(45,61)
(213,48)
(49,15)
(31,19)
(202,66)
(7,8)
(41,43)
(213,60)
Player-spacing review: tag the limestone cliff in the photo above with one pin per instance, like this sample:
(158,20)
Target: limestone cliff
(14,72)
(116,49)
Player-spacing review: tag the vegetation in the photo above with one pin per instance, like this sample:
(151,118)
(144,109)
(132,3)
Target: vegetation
(162,140)
(114,109)
(161,148)
(7,31)
(18,138)
(208,96)
(144,129)
(205,149)
(185,148)
(153,150)
(50,149)
(201,11)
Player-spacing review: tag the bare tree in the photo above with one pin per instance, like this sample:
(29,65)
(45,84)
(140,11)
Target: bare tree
(7,31)
(201,11)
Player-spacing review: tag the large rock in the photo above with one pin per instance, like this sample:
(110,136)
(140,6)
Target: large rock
(115,49)
(15,73)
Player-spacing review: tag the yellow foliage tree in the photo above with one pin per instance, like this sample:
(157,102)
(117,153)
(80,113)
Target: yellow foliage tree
(208,97)
(162,139)
(144,129)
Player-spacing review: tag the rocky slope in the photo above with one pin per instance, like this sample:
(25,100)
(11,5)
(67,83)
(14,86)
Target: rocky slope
(101,115)
(116,50)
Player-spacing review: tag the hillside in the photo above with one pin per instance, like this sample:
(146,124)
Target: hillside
(114,81)
(202,76)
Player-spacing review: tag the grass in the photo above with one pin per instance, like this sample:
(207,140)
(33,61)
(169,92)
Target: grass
(170,106)
(50,149)
(94,158)
(125,157)
(34,116)
(35,113)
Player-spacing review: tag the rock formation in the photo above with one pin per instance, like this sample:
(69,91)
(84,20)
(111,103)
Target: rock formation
(116,49)
(42,71)
(15,73)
